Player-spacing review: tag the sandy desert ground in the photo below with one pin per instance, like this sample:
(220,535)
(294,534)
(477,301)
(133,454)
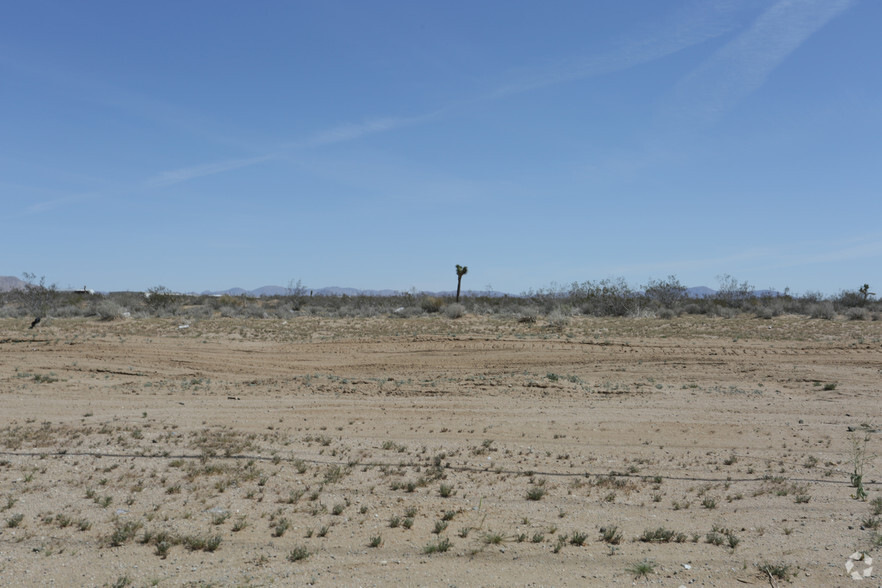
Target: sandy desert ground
(434,452)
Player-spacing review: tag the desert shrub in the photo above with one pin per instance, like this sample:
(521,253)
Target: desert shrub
(812,296)
(639,311)
(431,304)
(198,311)
(352,311)
(821,310)
(731,292)
(857,314)
(850,298)
(123,533)
(694,308)
(777,306)
(776,570)
(218,302)
(800,304)
(558,319)
(528,316)
(67,311)
(724,311)
(454,311)
(299,553)
(481,307)
(108,310)
(662,535)
(10,311)
(765,312)
(283,310)
(36,298)
(665,293)
(160,298)
(253,310)
(666,313)
(605,298)
(131,301)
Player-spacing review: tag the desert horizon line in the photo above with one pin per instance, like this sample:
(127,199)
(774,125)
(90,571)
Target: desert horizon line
(726,282)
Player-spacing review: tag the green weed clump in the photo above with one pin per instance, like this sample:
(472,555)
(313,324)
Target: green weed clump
(440,546)
(662,535)
(641,569)
(299,553)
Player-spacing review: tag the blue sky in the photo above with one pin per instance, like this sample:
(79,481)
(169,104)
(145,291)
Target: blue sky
(210,144)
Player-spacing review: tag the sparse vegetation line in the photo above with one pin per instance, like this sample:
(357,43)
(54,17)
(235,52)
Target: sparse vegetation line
(424,464)
(664,299)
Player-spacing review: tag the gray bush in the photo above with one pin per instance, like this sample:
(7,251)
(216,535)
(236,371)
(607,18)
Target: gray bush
(527,315)
(605,298)
(724,311)
(642,312)
(37,297)
(765,312)
(666,313)
(821,310)
(454,311)
(731,292)
(431,304)
(11,311)
(857,314)
(666,292)
(253,310)
(199,311)
(108,310)
(558,319)
(66,311)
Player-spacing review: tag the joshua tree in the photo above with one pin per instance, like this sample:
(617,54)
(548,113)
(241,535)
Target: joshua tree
(461,270)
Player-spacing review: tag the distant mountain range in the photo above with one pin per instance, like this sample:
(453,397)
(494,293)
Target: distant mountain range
(700,292)
(696,292)
(338,291)
(8,283)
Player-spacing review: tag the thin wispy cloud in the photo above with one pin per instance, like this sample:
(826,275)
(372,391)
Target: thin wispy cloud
(681,30)
(48,205)
(743,65)
(733,72)
(334,135)
(162,179)
(80,85)
(45,206)
(351,132)
(185,174)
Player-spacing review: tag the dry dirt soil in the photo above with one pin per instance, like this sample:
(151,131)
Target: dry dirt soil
(434,452)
